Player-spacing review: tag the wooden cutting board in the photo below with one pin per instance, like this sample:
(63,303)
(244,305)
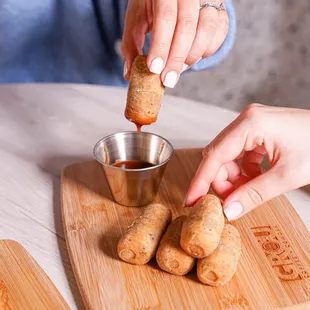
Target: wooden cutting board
(273,270)
(23,284)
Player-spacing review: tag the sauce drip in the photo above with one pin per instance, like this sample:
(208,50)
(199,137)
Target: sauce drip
(138,128)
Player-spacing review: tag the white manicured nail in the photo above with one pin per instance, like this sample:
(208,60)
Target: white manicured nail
(125,68)
(171,79)
(185,66)
(157,65)
(198,60)
(233,210)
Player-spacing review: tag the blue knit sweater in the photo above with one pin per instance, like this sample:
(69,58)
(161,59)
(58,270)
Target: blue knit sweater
(73,41)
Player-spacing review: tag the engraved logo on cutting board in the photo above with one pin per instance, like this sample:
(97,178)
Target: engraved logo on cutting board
(234,302)
(280,253)
(3,296)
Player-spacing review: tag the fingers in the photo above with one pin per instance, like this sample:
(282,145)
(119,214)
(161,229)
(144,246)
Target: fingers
(225,148)
(135,28)
(181,35)
(251,162)
(184,34)
(212,30)
(164,21)
(255,192)
(243,134)
(205,175)
(224,182)
(206,29)
(220,34)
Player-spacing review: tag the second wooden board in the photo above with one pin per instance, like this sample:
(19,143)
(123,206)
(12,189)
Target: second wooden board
(273,270)
(23,284)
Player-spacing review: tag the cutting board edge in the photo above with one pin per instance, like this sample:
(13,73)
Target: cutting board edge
(66,232)
(13,242)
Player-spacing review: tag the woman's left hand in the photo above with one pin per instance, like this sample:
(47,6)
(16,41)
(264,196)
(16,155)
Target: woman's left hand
(182,34)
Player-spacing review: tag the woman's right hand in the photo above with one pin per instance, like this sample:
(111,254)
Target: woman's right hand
(182,34)
(281,134)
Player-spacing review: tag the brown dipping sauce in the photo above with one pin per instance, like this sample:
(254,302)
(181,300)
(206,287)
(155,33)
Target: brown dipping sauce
(133,164)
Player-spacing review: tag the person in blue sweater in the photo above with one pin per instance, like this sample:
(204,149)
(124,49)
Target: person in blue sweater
(79,41)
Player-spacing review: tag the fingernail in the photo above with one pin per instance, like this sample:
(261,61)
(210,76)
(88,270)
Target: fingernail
(157,65)
(185,66)
(171,79)
(125,68)
(198,60)
(233,210)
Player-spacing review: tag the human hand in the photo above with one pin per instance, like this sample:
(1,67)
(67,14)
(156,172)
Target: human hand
(281,134)
(181,35)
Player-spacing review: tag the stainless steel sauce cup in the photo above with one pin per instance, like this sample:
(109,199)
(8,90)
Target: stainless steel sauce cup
(133,187)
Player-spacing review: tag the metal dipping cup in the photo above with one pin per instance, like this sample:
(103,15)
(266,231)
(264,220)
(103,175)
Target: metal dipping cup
(133,187)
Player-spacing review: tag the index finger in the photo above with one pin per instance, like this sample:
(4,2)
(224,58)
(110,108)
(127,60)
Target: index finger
(164,21)
(224,148)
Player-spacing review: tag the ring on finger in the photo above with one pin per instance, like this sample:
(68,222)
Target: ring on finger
(218,7)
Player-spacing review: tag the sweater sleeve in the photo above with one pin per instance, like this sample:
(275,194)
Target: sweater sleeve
(225,48)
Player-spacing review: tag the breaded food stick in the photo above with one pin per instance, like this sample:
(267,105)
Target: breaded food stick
(218,268)
(202,229)
(144,94)
(170,256)
(140,241)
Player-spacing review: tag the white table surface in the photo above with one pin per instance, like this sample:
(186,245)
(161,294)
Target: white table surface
(44,128)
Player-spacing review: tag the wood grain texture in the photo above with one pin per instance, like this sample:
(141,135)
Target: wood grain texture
(273,270)
(23,284)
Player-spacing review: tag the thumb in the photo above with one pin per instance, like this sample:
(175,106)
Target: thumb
(135,28)
(255,192)
(132,44)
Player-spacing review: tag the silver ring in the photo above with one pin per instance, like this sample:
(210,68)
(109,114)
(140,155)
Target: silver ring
(219,7)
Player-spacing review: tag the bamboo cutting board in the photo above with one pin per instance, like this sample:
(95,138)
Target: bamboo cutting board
(273,270)
(23,284)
